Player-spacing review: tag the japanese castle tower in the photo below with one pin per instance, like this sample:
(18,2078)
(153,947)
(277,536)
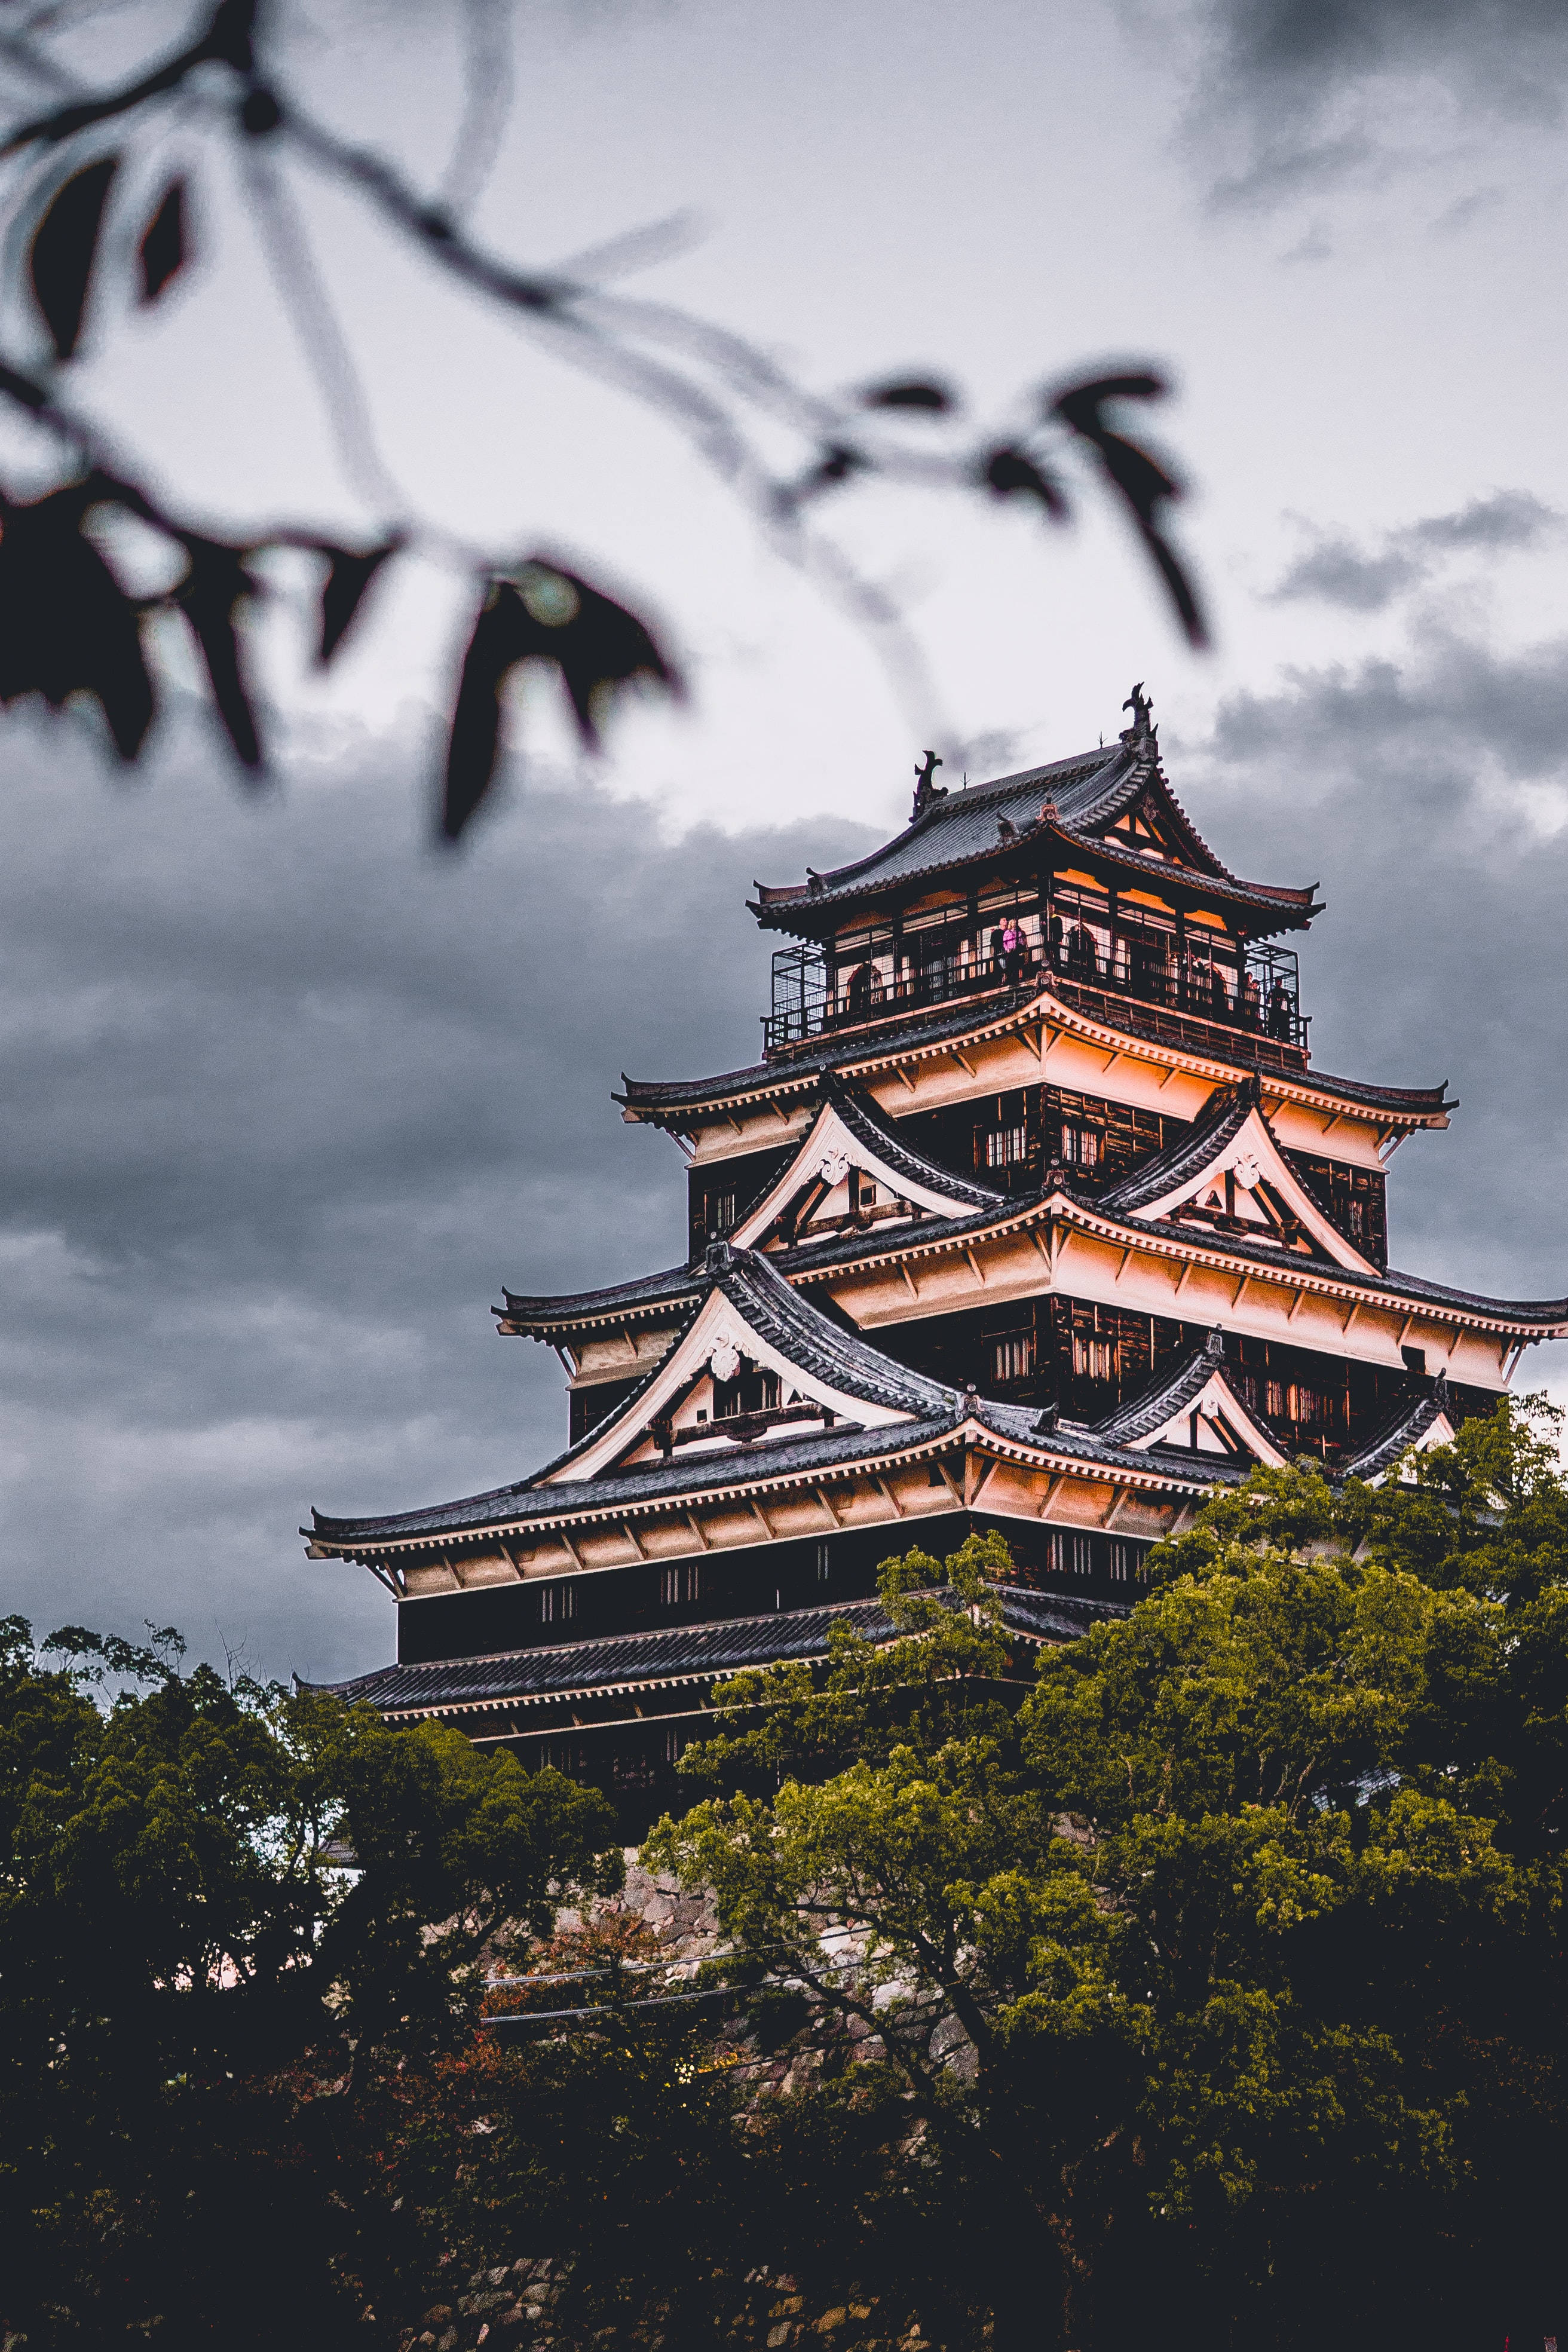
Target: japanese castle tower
(1035,1216)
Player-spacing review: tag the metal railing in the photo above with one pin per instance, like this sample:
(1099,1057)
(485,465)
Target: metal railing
(1264,1000)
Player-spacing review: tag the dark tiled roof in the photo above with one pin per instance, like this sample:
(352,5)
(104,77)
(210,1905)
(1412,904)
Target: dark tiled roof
(683,1652)
(1088,791)
(650,1482)
(878,1133)
(1406,1423)
(1165,1396)
(1187,1156)
(888,1041)
(677,1287)
(1090,1442)
(832,1351)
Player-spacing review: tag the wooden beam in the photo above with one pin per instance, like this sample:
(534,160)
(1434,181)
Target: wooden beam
(572,1554)
(1052,1491)
(822,1497)
(1295,1309)
(982,1483)
(1181,1277)
(704,1544)
(950,1481)
(909,1279)
(974,1265)
(1240,1292)
(1350,1318)
(889,1496)
(963,1064)
(633,1538)
(761,1518)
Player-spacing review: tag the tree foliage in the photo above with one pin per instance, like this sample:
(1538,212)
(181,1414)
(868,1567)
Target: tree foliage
(225,1913)
(1206,1986)
(1250,1920)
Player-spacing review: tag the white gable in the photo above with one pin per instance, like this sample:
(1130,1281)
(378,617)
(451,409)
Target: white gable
(1250,1179)
(1439,1432)
(712,1351)
(831,1154)
(1217,1421)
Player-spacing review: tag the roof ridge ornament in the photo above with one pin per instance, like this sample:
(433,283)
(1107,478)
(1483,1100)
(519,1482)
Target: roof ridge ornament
(1143,729)
(927,789)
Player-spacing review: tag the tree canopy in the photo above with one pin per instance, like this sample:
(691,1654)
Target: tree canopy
(1202,1982)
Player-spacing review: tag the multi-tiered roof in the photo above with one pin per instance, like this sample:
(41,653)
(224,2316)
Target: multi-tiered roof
(1035,1214)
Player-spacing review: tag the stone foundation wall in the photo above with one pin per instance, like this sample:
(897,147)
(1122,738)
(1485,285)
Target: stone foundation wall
(513,2308)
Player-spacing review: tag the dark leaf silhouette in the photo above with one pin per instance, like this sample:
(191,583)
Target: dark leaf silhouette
(548,615)
(915,391)
(1007,472)
(210,597)
(497,643)
(163,252)
(66,626)
(347,582)
(1144,485)
(64,245)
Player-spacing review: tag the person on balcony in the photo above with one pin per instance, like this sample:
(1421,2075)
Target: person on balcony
(860,981)
(1083,959)
(1251,1002)
(1011,951)
(1280,1023)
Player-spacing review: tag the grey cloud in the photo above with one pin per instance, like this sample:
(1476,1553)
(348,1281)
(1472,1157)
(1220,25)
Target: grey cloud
(287,1098)
(1334,570)
(1440,954)
(1283,74)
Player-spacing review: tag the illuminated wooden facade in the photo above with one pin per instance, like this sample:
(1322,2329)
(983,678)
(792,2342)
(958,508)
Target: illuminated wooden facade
(1035,1214)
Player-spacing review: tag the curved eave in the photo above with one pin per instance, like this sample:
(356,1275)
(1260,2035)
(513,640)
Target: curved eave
(667,1104)
(801,912)
(337,1539)
(565,1319)
(1510,1318)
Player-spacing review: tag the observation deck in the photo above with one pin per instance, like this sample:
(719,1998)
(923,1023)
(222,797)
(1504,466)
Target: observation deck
(1250,1011)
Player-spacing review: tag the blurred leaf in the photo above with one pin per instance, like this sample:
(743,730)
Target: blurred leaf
(548,615)
(1144,484)
(65,625)
(63,249)
(1007,472)
(347,580)
(210,597)
(497,643)
(164,252)
(914,393)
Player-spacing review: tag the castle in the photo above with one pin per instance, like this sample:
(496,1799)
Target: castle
(1035,1215)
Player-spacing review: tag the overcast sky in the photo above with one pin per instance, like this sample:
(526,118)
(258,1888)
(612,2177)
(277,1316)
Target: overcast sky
(287,1097)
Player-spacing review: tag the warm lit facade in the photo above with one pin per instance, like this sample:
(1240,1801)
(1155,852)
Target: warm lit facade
(1034,1215)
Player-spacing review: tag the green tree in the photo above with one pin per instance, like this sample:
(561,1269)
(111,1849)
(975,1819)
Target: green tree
(1226,1977)
(223,1912)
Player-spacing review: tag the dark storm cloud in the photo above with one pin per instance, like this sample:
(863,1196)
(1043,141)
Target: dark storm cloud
(1283,71)
(287,1097)
(1429,799)
(1336,570)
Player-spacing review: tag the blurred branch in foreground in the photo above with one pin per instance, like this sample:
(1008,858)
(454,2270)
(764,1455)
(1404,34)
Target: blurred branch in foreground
(93,226)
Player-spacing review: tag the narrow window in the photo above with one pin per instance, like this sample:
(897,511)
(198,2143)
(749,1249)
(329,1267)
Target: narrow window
(721,1214)
(1118,1563)
(1275,1407)
(547,1605)
(1056,1548)
(1013,1358)
(823,1563)
(1006,1147)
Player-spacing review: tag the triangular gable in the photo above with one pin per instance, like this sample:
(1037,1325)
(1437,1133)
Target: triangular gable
(1423,1426)
(757,1359)
(849,1173)
(1155,822)
(1194,1405)
(1248,1184)
(1216,1421)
